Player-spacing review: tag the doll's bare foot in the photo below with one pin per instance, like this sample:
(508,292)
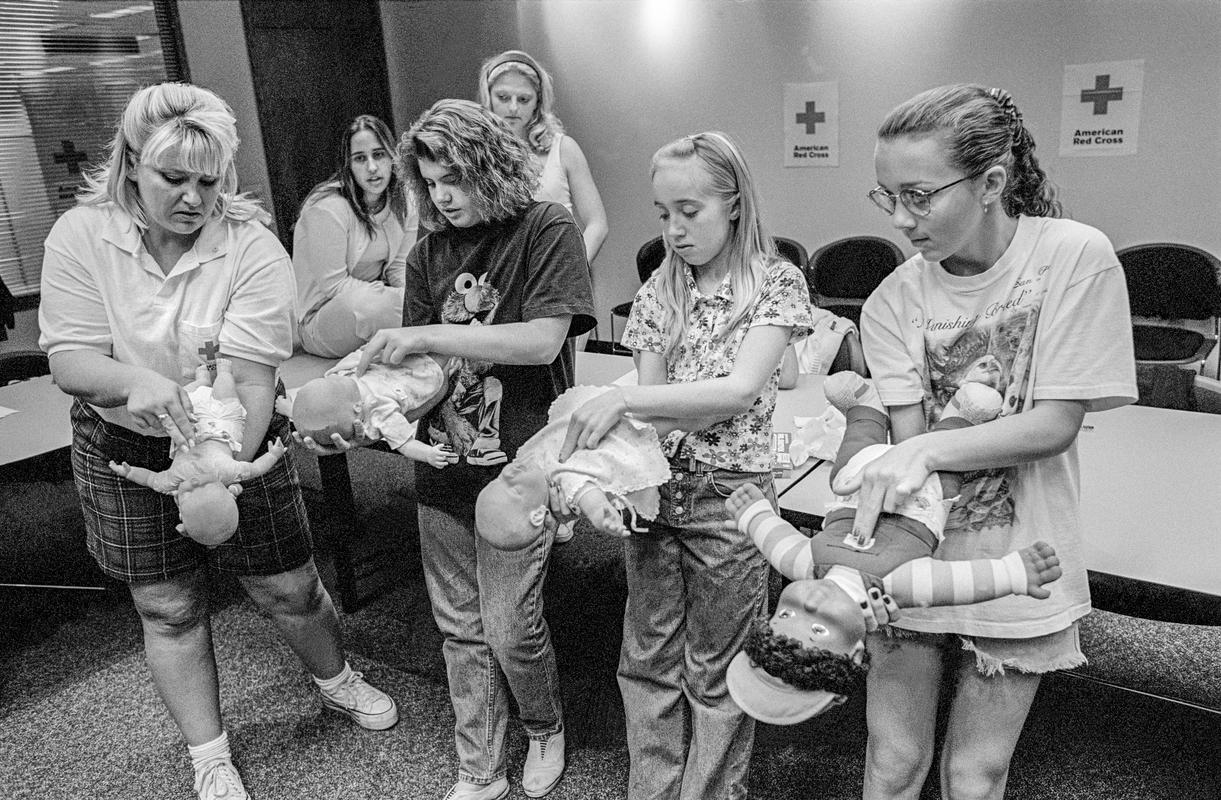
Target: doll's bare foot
(847,389)
(609,521)
(203,376)
(1042,566)
(742,498)
(224,385)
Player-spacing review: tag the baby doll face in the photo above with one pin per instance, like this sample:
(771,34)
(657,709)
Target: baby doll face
(208,512)
(818,613)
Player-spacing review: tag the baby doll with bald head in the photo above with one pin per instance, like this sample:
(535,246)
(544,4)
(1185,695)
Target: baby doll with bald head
(384,404)
(205,477)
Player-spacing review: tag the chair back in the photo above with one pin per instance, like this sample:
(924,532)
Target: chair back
(649,257)
(1172,281)
(842,274)
(1174,293)
(792,250)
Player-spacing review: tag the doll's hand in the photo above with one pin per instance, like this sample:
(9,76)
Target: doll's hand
(277,448)
(560,510)
(885,610)
(441,456)
(121,470)
(337,444)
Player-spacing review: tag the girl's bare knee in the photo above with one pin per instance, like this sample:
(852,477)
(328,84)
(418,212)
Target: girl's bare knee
(171,615)
(897,765)
(972,779)
(288,594)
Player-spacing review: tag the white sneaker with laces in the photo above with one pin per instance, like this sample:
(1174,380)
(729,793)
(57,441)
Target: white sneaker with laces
(369,706)
(565,531)
(218,779)
(496,790)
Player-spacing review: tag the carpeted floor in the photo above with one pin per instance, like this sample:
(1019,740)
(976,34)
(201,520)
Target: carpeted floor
(79,717)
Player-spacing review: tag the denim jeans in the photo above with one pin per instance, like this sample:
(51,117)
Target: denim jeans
(694,585)
(489,606)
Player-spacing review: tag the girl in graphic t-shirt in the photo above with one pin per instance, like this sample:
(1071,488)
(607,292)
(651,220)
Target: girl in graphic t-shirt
(1003,292)
(497,284)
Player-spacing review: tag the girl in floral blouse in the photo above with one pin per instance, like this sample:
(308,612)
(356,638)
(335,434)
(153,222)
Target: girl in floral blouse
(708,330)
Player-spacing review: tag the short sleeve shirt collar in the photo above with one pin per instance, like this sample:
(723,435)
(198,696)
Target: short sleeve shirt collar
(122,231)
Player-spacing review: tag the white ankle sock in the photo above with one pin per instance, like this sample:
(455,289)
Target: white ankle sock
(210,751)
(331,684)
(847,389)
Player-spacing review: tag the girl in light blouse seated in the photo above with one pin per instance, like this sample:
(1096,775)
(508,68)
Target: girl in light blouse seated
(350,245)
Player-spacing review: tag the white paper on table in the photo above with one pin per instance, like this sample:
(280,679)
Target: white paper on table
(821,435)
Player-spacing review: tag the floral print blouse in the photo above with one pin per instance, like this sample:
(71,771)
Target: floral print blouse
(741,443)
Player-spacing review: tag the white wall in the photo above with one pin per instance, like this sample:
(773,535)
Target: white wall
(628,81)
(215,42)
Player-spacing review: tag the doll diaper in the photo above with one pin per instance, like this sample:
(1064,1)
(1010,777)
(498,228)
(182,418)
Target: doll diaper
(218,419)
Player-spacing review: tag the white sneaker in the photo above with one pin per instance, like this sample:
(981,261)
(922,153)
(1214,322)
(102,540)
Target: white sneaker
(218,779)
(565,531)
(370,707)
(496,790)
(544,765)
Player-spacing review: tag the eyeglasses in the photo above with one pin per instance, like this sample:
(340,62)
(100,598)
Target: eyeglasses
(917,201)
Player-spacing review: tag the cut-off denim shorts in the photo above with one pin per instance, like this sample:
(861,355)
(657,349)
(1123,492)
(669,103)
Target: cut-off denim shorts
(1036,655)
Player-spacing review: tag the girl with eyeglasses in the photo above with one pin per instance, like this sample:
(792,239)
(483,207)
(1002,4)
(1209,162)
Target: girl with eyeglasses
(1001,291)
(350,245)
(708,330)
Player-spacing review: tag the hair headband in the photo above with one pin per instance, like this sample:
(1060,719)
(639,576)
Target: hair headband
(519,58)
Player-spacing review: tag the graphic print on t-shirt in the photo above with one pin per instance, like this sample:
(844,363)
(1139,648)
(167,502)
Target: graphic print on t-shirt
(992,347)
(470,416)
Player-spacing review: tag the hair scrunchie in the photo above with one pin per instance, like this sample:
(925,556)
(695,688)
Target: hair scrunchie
(1005,101)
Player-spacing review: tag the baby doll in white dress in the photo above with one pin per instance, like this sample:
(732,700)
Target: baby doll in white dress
(621,473)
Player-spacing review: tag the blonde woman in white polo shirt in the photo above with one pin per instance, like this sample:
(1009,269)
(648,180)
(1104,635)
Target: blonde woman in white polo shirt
(161,268)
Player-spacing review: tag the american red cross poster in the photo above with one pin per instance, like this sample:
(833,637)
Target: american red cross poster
(811,124)
(1100,114)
